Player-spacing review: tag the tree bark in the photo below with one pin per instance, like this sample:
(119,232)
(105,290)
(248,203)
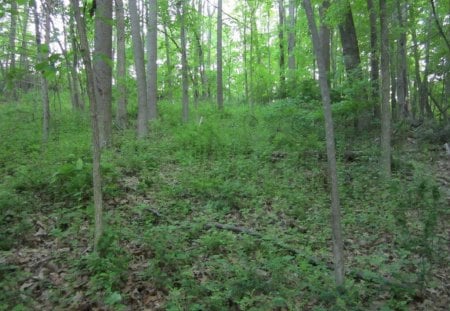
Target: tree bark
(168,85)
(78,95)
(385,85)
(184,64)
(102,68)
(42,56)
(12,35)
(138,51)
(402,67)
(374,63)
(350,47)
(152,68)
(291,36)
(122,116)
(325,36)
(219,57)
(282,90)
(338,252)
(96,153)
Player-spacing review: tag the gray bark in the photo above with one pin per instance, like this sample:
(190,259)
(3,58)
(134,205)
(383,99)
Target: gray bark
(96,153)
(325,36)
(12,36)
(219,57)
(122,116)
(184,64)
(102,68)
(152,68)
(291,36)
(338,253)
(402,67)
(385,85)
(42,56)
(374,62)
(282,91)
(138,51)
(349,41)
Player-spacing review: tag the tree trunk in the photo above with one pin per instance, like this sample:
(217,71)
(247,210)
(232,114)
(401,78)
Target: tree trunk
(23,59)
(122,116)
(78,95)
(12,47)
(138,51)
(219,56)
(96,156)
(152,68)
(385,84)
(168,85)
(350,47)
(374,67)
(291,37)
(402,67)
(331,149)
(282,91)
(439,27)
(184,65)
(325,36)
(102,68)
(42,56)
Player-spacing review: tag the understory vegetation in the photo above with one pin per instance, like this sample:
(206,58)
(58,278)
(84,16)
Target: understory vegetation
(227,212)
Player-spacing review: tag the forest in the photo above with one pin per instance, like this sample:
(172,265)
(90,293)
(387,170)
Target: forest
(224,155)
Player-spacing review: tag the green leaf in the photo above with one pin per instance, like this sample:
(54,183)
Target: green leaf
(79,165)
(114,298)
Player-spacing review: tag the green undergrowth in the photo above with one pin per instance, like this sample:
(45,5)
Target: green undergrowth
(261,169)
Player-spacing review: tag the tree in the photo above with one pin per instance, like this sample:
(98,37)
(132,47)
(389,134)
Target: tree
(152,68)
(374,62)
(385,84)
(122,117)
(102,68)
(12,43)
(331,148)
(138,51)
(96,150)
(181,11)
(402,66)
(42,56)
(282,91)
(219,56)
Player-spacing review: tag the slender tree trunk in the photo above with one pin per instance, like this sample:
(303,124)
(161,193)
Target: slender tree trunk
(23,60)
(291,36)
(282,91)
(122,116)
(168,84)
(219,57)
(102,68)
(42,56)
(96,154)
(78,94)
(325,36)
(402,67)
(338,252)
(350,47)
(385,84)
(184,65)
(138,51)
(374,67)
(418,79)
(439,27)
(244,56)
(12,36)
(152,68)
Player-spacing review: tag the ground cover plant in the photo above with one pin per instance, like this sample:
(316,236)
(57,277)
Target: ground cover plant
(227,212)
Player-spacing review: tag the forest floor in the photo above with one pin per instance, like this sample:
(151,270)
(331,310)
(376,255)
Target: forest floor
(228,212)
